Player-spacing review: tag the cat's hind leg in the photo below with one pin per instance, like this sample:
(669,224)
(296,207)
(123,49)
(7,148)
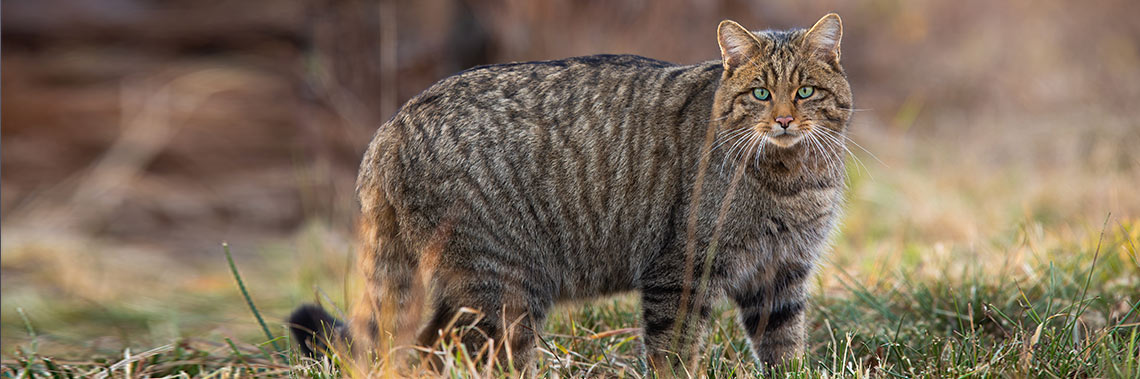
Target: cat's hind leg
(487,313)
(384,322)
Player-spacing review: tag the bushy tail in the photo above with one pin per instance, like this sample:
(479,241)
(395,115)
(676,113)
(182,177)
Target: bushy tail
(315,330)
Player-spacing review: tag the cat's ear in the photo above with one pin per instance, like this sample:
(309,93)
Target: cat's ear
(737,44)
(822,39)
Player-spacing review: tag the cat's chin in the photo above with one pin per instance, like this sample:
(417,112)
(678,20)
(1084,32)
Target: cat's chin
(785,140)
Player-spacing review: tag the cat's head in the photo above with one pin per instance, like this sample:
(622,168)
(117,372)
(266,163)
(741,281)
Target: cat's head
(780,88)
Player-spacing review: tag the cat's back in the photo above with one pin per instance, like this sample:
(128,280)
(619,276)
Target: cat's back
(550,88)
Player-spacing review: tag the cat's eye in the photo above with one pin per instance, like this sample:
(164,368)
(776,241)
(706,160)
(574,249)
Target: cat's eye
(805,92)
(761,93)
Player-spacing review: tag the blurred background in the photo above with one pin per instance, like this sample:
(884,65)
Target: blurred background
(138,135)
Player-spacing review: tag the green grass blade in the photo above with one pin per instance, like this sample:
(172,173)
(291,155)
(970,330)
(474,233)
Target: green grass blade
(248,299)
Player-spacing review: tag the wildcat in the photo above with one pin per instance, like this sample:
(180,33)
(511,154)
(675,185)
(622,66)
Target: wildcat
(504,189)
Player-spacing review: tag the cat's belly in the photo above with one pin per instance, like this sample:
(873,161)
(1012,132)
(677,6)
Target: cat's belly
(607,274)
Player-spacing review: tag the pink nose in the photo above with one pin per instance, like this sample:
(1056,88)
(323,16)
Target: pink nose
(784,121)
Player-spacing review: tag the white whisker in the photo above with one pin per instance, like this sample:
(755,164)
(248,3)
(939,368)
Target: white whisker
(729,154)
(814,143)
(832,164)
(832,140)
(837,134)
(743,153)
(760,150)
(729,135)
(840,142)
(755,146)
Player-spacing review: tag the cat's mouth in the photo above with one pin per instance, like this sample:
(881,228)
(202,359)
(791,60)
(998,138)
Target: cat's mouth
(784,138)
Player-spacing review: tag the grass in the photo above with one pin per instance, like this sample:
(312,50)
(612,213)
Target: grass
(1072,318)
(1070,310)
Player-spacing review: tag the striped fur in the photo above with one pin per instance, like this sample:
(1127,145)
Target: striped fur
(508,188)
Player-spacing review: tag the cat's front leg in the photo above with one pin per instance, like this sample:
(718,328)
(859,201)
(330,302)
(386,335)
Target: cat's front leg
(772,312)
(674,322)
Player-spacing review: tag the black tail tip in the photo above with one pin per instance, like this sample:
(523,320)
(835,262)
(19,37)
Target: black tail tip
(312,327)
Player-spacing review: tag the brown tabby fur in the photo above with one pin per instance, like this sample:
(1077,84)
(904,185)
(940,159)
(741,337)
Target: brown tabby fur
(508,188)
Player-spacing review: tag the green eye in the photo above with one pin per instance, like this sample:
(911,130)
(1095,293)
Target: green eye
(760,94)
(805,92)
